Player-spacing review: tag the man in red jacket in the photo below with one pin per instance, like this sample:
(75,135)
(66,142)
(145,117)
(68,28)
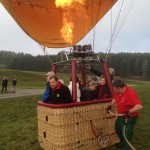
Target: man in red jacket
(128,104)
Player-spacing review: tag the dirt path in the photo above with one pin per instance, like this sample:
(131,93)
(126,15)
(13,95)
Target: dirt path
(24,92)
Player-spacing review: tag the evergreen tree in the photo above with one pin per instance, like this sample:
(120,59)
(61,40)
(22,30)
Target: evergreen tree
(136,67)
(145,68)
(125,64)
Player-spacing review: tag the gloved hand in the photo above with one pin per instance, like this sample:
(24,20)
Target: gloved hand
(109,108)
(126,114)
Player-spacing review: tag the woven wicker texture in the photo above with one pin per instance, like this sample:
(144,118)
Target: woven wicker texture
(83,127)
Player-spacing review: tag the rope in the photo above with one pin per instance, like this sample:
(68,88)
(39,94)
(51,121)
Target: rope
(98,133)
(123,18)
(45,52)
(115,27)
(124,131)
(122,22)
(118,25)
(111,43)
(94,29)
(93,24)
(124,128)
(102,140)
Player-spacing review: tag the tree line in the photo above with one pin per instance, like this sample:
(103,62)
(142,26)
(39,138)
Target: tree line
(125,64)
(131,64)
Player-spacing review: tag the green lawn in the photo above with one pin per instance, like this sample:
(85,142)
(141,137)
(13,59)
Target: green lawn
(18,122)
(28,79)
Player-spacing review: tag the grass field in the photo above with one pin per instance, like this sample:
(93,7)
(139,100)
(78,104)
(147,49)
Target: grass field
(18,119)
(18,124)
(27,79)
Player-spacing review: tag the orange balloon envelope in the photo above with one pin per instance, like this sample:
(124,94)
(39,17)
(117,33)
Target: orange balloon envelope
(57,23)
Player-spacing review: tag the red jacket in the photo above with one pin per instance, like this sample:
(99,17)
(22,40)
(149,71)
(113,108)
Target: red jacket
(102,92)
(127,101)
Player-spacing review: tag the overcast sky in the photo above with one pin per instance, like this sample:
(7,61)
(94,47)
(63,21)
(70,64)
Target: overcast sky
(133,37)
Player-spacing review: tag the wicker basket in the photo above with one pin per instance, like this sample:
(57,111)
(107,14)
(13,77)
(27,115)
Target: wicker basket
(82,127)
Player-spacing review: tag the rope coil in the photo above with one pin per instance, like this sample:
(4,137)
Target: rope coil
(124,128)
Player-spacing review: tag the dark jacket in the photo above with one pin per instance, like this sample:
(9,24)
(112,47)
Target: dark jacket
(98,73)
(87,94)
(59,95)
(4,82)
(14,82)
(102,92)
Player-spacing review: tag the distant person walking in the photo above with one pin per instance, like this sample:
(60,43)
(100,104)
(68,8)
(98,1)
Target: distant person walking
(4,84)
(14,82)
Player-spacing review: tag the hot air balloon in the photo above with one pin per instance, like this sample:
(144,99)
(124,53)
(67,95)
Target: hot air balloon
(57,23)
(63,23)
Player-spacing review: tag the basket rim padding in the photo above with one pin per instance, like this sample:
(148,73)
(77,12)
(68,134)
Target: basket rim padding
(73,104)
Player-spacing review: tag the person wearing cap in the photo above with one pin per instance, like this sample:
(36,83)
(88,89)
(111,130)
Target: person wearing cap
(129,105)
(59,93)
(87,93)
(46,92)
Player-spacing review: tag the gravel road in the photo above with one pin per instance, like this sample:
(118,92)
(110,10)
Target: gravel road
(24,92)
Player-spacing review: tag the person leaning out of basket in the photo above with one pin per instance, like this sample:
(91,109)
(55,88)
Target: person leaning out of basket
(87,93)
(129,105)
(59,93)
(102,91)
(99,73)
